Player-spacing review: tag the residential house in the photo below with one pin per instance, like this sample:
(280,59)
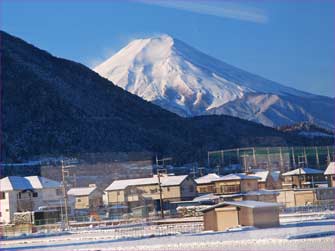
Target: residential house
(268,179)
(136,192)
(235,183)
(330,174)
(88,198)
(205,184)
(303,178)
(22,194)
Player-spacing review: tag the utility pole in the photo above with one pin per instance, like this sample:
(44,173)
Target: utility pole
(160,193)
(306,161)
(268,156)
(254,156)
(293,158)
(281,159)
(328,156)
(222,159)
(317,157)
(65,172)
(301,164)
(244,157)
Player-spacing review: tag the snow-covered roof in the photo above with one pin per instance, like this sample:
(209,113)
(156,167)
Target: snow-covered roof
(243,203)
(172,180)
(263,175)
(252,204)
(81,191)
(261,192)
(206,197)
(330,169)
(207,178)
(304,170)
(237,176)
(42,182)
(166,180)
(11,183)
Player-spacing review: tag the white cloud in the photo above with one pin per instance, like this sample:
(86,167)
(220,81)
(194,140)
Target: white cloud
(221,9)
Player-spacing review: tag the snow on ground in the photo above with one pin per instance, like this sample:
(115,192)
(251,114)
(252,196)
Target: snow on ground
(294,235)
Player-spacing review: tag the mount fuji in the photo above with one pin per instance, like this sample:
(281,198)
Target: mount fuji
(181,79)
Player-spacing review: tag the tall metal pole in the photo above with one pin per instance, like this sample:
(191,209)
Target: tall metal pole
(65,196)
(317,157)
(160,194)
(268,155)
(208,161)
(306,161)
(254,156)
(281,159)
(328,156)
(293,158)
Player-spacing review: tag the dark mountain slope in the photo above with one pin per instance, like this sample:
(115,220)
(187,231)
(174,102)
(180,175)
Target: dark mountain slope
(52,106)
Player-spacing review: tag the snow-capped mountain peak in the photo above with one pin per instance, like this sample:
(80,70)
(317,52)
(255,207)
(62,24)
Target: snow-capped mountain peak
(172,74)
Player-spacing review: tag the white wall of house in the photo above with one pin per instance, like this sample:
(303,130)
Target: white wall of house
(9,204)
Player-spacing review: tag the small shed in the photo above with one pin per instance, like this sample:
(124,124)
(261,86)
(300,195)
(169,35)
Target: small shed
(230,214)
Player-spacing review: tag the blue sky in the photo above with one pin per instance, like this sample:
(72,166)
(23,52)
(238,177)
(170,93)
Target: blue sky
(291,42)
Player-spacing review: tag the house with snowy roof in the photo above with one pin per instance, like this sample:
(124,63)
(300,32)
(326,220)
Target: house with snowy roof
(330,174)
(86,197)
(235,183)
(205,184)
(137,192)
(21,194)
(268,179)
(303,177)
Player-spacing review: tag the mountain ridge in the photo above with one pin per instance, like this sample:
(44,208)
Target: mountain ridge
(53,107)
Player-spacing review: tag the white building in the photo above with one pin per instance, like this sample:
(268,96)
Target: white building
(20,194)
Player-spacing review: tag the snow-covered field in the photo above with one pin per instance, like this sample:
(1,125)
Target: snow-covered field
(304,234)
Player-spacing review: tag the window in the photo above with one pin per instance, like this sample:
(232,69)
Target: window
(35,194)
(155,190)
(2,195)
(230,189)
(78,200)
(19,195)
(118,193)
(168,189)
(59,191)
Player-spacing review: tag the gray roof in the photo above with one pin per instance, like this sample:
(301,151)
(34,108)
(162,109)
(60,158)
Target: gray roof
(244,203)
(166,180)
(237,176)
(11,183)
(262,192)
(207,178)
(330,169)
(304,170)
(81,191)
(263,175)
(206,197)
